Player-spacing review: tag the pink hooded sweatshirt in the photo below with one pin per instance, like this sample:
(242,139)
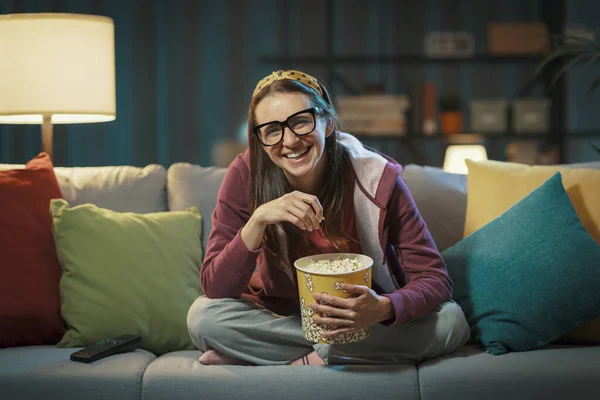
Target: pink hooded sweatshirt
(407,266)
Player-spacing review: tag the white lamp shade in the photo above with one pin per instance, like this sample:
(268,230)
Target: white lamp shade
(59,65)
(456,155)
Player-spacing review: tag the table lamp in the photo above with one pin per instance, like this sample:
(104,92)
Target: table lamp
(456,154)
(56,69)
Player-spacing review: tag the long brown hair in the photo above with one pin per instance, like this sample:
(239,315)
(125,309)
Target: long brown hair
(268,182)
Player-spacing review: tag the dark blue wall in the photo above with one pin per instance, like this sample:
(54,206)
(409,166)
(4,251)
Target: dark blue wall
(186,69)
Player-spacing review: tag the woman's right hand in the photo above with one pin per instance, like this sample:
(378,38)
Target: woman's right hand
(301,209)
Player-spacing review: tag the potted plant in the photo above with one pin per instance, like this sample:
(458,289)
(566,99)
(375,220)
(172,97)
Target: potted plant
(565,52)
(451,120)
(569,51)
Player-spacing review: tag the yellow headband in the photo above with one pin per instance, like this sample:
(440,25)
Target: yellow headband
(291,75)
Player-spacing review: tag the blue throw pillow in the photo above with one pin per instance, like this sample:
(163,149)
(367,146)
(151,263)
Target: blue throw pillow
(529,276)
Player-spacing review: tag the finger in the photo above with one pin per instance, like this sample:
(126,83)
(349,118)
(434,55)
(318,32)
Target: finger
(327,311)
(294,207)
(331,334)
(301,204)
(333,300)
(313,202)
(333,321)
(295,216)
(355,289)
(317,207)
(309,216)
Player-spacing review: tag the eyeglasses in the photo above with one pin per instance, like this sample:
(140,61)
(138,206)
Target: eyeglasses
(301,123)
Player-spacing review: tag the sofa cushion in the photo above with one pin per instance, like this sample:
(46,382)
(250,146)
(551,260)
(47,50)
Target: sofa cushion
(46,372)
(190,185)
(441,198)
(120,188)
(552,373)
(529,276)
(496,186)
(180,376)
(29,268)
(589,165)
(127,273)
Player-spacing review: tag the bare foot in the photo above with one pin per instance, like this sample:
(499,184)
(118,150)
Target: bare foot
(213,357)
(310,359)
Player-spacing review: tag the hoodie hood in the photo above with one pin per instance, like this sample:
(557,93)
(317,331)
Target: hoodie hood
(376,177)
(376,173)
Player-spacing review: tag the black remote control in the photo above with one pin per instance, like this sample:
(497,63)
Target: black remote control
(105,348)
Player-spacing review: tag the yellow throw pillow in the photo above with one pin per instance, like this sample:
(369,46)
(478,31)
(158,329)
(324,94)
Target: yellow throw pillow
(495,186)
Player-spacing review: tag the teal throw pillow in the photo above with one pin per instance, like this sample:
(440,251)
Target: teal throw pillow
(529,276)
(127,273)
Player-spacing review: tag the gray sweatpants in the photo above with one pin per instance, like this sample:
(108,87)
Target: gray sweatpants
(242,329)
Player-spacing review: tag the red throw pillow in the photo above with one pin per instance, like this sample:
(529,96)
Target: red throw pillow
(29,268)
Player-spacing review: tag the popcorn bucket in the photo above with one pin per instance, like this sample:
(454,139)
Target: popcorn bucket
(310,282)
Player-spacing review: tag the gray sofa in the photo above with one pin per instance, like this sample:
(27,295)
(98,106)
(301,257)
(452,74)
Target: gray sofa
(45,372)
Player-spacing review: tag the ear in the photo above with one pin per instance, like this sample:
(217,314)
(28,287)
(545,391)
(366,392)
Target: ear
(330,127)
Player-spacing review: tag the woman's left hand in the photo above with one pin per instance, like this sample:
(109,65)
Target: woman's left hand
(363,309)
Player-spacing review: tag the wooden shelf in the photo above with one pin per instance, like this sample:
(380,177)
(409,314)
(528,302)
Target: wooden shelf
(474,137)
(399,59)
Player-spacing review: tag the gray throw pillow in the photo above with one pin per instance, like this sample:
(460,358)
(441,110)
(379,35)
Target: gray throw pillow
(190,185)
(441,198)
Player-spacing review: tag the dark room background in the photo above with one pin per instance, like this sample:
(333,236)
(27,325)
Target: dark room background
(185,70)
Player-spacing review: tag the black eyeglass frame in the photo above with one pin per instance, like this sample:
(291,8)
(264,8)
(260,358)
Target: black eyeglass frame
(314,111)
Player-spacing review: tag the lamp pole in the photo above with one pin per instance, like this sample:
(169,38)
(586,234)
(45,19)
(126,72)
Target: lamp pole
(47,135)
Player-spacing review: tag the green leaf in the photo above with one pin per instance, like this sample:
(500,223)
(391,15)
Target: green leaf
(591,61)
(595,84)
(570,50)
(566,66)
(547,60)
(559,53)
(566,40)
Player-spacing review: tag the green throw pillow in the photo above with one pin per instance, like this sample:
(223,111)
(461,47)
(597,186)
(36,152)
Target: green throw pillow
(529,276)
(127,273)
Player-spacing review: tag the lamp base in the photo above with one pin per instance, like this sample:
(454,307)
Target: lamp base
(47,136)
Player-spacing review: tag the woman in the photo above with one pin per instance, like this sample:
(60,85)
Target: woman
(301,188)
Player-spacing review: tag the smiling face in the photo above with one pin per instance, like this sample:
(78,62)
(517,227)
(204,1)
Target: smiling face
(302,158)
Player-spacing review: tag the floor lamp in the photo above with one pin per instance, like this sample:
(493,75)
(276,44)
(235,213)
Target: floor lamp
(56,69)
